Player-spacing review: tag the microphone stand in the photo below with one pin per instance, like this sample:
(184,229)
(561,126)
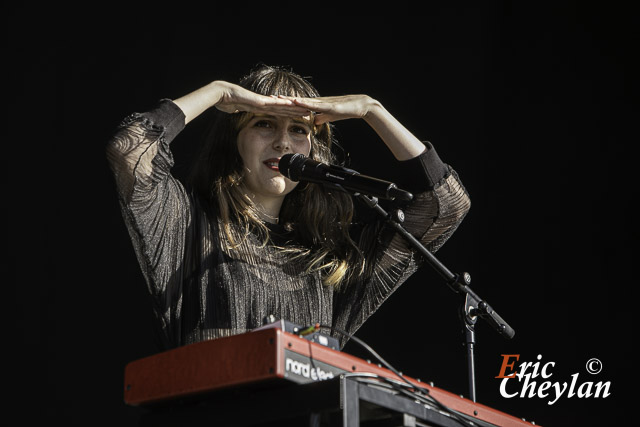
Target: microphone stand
(473,306)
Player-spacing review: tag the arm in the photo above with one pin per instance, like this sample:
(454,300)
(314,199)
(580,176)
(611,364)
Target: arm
(439,206)
(432,217)
(155,206)
(138,152)
(232,98)
(402,143)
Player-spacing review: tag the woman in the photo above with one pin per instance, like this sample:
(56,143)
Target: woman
(241,242)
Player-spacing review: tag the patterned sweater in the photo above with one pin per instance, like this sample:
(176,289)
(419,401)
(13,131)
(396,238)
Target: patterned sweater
(201,291)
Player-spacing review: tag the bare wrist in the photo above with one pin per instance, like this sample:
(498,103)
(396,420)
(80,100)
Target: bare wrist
(373,109)
(215,92)
(194,103)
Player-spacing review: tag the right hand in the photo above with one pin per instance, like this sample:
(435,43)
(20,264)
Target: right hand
(235,99)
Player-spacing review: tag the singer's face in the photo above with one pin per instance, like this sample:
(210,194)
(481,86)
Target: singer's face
(262,142)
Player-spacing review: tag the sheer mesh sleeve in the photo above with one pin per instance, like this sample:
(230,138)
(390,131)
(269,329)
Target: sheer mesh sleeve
(200,292)
(154,204)
(432,217)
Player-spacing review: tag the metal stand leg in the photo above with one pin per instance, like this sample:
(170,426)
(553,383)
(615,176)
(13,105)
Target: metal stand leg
(350,404)
(470,334)
(410,411)
(469,319)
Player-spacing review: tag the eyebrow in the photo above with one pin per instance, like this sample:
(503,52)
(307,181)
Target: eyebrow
(295,119)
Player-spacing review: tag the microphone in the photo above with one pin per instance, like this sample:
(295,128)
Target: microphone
(298,167)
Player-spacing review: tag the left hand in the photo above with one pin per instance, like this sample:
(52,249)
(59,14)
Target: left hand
(402,143)
(333,108)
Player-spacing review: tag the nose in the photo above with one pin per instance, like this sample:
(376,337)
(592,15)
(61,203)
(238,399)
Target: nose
(282,141)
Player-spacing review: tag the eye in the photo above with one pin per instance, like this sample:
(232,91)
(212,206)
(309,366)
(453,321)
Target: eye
(299,130)
(263,124)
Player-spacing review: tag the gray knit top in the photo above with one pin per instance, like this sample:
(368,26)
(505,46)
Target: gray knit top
(201,291)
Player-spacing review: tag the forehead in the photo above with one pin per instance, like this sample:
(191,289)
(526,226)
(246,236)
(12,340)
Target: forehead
(305,120)
(245,118)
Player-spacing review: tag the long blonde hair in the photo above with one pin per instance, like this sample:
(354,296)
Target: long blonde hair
(319,218)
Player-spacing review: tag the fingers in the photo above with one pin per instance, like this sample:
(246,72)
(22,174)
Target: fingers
(278,105)
(313,104)
(283,107)
(321,118)
(259,104)
(279,100)
(329,109)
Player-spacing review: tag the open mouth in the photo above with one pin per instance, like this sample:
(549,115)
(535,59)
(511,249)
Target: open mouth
(272,164)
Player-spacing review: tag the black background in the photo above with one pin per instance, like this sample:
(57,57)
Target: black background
(535,107)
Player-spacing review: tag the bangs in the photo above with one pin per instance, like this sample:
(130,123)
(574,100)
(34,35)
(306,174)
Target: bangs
(269,80)
(276,81)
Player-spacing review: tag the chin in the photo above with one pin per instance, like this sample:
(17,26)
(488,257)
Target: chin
(279,187)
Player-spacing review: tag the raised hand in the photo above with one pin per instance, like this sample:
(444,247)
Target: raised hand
(333,108)
(402,143)
(232,98)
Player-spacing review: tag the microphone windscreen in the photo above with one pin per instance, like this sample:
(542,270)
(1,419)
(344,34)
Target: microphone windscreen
(290,165)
